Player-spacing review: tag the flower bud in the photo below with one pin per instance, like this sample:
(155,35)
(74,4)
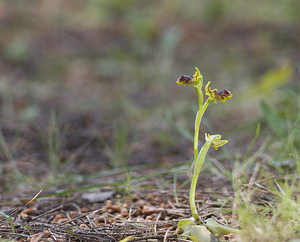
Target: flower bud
(215,140)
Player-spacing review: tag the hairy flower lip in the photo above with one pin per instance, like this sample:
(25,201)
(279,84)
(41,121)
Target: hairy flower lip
(223,94)
(184,80)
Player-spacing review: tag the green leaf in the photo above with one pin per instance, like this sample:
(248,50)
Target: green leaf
(199,233)
(185,223)
(219,229)
(196,233)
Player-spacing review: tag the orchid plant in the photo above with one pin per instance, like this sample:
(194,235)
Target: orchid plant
(193,228)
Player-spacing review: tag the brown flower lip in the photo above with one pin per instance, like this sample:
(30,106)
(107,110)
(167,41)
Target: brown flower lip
(223,93)
(184,79)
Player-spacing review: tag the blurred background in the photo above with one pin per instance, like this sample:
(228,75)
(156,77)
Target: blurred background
(90,85)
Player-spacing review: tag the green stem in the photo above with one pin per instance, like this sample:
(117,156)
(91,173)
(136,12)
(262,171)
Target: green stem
(196,135)
(198,120)
(198,159)
(197,168)
(201,111)
(200,94)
